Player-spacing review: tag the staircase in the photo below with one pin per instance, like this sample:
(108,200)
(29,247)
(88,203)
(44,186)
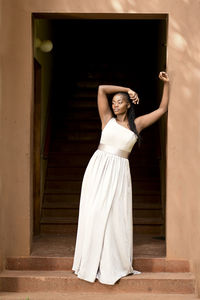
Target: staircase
(160,279)
(75,137)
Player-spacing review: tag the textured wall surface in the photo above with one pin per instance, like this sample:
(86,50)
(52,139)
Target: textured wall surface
(183,147)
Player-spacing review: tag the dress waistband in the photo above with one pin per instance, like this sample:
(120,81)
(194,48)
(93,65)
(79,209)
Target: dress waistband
(113,150)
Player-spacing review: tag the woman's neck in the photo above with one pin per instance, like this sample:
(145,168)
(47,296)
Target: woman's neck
(122,118)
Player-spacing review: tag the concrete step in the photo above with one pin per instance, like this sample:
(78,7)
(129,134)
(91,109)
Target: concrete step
(65,281)
(37,263)
(93,296)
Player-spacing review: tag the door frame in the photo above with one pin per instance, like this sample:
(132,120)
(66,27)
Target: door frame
(37,147)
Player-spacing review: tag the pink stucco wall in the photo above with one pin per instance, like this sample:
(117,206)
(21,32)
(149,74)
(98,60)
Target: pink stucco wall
(183,147)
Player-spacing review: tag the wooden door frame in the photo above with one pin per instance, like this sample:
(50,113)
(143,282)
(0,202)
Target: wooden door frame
(37,147)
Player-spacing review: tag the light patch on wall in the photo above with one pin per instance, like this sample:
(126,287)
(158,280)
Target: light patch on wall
(117,5)
(186,91)
(175,24)
(131,2)
(178,41)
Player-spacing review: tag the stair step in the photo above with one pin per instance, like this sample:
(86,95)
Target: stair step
(88,84)
(85,93)
(65,263)
(74,220)
(75,204)
(70,140)
(73,147)
(68,212)
(146,213)
(70,199)
(75,135)
(93,296)
(83,115)
(72,229)
(148,221)
(54,220)
(68,160)
(72,173)
(153,198)
(68,229)
(148,229)
(65,281)
(83,102)
(53,186)
(59,212)
(75,160)
(93,125)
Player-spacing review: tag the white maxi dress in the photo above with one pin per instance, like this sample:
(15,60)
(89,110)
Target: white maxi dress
(104,241)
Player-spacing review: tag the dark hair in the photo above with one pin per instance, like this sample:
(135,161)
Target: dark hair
(131,114)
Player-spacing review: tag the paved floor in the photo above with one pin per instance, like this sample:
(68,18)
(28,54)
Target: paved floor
(63,245)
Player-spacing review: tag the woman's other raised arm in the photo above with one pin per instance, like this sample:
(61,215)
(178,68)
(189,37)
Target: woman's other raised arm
(146,120)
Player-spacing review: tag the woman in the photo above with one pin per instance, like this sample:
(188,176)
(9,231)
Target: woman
(104,243)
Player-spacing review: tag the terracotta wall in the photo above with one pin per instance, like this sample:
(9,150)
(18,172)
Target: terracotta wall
(183,149)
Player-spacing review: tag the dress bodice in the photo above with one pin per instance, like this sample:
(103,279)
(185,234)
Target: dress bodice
(118,136)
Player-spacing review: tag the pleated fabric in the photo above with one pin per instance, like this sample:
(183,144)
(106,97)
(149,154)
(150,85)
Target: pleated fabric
(104,242)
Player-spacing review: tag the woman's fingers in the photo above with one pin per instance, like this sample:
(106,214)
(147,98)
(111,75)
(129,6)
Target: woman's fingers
(136,100)
(163,76)
(134,97)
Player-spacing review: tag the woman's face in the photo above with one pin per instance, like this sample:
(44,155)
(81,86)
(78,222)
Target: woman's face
(119,104)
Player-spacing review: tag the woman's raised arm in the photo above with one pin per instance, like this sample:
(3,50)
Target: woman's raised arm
(146,120)
(102,100)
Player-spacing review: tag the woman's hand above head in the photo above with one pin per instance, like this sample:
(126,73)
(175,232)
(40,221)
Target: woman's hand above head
(146,120)
(164,76)
(133,96)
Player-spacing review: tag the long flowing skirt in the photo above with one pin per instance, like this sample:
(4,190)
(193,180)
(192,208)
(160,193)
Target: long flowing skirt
(104,242)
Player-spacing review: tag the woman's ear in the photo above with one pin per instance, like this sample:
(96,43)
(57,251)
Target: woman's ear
(128,105)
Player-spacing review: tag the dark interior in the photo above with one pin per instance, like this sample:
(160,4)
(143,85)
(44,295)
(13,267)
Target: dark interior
(87,53)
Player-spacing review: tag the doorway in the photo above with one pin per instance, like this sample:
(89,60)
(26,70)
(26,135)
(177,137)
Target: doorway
(103,49)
